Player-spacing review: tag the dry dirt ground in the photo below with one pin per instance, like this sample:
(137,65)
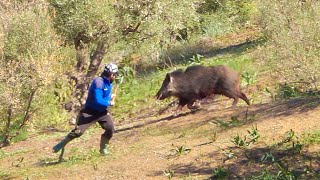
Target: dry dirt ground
(189,146)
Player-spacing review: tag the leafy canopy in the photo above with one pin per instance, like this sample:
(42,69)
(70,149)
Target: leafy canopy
(145,23)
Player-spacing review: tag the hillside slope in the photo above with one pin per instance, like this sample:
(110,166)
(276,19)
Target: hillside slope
(189,146)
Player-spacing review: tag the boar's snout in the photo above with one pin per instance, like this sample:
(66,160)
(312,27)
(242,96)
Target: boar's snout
(161,95)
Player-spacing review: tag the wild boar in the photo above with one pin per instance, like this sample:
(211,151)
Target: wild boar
(198,82)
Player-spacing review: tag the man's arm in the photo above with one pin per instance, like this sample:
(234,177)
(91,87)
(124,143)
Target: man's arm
(98,94)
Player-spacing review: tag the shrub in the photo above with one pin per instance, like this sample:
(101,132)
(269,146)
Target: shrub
(292,48)
(30,60)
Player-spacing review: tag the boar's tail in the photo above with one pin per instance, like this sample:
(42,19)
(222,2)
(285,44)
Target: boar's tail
(244,97)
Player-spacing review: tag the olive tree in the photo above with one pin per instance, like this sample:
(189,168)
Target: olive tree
(29,54)
(95,27)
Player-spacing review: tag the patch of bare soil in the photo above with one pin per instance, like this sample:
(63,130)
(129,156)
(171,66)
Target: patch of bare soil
(190,145)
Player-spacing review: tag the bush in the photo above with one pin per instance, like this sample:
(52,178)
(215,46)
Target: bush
(292,48)
(30,60)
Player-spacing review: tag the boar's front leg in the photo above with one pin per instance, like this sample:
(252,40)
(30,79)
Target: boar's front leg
(194,105)
(181,104)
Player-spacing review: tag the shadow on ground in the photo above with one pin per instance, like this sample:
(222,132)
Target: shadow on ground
(138,125)
(273,162)
(244,115)
(253,163)
(237,117)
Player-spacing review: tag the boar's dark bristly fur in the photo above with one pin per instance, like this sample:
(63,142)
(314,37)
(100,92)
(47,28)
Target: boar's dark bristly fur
(198,82)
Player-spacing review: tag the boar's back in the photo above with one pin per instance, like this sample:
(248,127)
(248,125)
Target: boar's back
(208,80)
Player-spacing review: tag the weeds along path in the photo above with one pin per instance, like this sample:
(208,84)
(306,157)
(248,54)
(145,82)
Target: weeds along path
(190,145)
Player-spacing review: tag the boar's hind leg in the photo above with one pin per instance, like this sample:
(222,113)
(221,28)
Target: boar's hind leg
(233,95)
(242,96)
(235,101)
(236,97)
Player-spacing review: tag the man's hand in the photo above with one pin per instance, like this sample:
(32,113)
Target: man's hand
(113,100)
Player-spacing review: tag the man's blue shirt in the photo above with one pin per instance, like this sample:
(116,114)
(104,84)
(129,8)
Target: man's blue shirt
(99,95)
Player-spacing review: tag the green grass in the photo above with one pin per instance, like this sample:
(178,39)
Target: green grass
(227,123)
(4,175)
(137,93)
(4,154)
(312,137)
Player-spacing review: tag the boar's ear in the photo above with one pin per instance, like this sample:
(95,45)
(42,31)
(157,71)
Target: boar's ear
(170,78)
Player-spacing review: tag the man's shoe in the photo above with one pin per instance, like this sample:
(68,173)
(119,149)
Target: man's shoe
(104,146)
(61,144)
(105,151)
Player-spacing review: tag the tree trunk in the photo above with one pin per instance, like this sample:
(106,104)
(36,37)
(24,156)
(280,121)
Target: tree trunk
(25,119)
(6,141)
(95,61)
(83,79)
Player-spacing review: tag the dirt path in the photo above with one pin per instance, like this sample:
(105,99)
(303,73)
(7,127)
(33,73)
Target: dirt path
(189,146)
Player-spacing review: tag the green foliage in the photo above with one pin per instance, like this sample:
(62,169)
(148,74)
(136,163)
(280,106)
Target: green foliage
(238,141)
(210,6)
(312,137)
(214,25)
(280,167)
(22,134)
(28,33)
(265,175)
(282,174)
(196,60)
(268,157)
(247,140)
(229,154)
(290,142)
(225,124)
(128,27)
(248,78)
(126,74)
(242,11)
(219,173)
(287,91)
(270,93)
(52,114)
(253,134)
(285,173)
(4,174)
(30,58)
(78,158)
(74,18)
(219,17)
(4,154)
(292,48)
(137,93)
(159,23)
(181,150)
(168,173)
